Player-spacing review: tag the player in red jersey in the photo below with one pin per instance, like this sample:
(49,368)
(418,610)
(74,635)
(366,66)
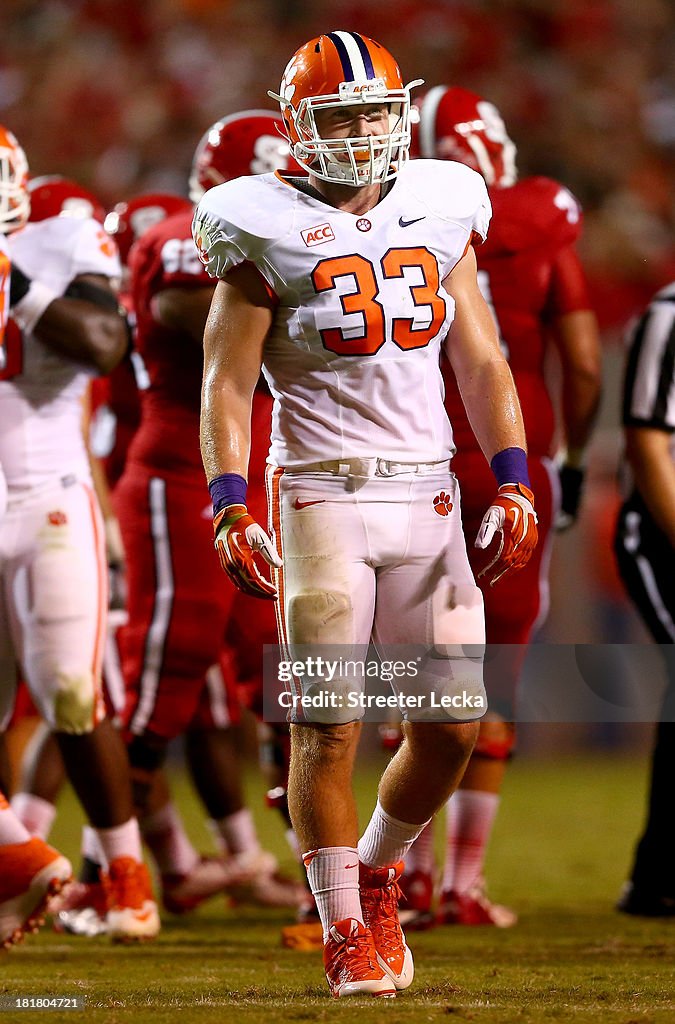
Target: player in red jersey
(178,670)
(116,409)
(531,276)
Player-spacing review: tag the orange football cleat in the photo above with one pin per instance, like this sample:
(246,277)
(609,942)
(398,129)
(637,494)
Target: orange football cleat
(380,894)
(31,873)
(132,912)
(351,962)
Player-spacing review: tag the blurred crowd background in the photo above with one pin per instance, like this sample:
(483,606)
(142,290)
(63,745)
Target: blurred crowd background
(117,93)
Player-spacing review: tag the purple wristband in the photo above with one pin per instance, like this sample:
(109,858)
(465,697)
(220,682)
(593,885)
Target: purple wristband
(510,467)
(227,489)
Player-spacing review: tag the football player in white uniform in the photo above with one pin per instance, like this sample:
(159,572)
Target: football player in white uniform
(343,286)
(30,871)
(65,325)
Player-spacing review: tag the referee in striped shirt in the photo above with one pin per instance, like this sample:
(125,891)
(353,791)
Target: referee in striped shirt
(645,549)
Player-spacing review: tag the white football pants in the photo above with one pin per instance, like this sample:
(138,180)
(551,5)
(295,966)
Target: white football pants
(53,604)
(369,555)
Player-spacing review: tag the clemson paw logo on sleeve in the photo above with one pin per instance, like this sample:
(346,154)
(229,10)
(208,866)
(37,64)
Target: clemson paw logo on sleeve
(106,244)
(202,250)
(206,238)
(442,504)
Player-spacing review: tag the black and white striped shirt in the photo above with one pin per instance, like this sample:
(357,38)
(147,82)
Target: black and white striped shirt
(649,388)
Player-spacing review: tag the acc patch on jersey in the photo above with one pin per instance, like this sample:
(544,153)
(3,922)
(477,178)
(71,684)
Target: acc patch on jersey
(317,235)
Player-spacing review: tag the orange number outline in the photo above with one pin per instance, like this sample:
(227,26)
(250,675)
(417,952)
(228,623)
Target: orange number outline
(363,300)
(394,263)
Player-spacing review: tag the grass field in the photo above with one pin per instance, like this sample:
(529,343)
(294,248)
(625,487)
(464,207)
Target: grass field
(559,856)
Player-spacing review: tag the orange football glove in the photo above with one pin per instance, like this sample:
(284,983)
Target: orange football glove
(511,515)
(237,539)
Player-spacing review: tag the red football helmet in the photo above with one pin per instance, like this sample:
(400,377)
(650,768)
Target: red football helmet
(455,124)
(251,142)
(51,195)
(14,200)
(342,69)
(129,220)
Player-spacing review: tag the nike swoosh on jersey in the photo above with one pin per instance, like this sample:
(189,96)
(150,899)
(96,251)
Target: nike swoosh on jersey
(406,223)
(304,504)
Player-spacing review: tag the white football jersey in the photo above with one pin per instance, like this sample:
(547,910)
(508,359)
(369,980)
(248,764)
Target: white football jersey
(41,402)
(352,358)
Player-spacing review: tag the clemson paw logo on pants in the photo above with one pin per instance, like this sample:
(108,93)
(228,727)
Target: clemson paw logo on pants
(442,504)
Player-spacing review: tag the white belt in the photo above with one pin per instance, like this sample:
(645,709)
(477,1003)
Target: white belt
(367,468)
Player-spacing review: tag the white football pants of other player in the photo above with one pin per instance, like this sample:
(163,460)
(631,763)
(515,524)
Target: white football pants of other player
(53,604)
(382,556)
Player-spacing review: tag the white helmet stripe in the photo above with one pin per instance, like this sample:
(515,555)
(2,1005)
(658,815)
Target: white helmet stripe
(355,57)
(427,125)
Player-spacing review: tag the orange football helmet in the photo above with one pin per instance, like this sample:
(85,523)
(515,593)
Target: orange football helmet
(343,69)
(128,220)
(455,124)
(250,142)
(52,195)
(14,200)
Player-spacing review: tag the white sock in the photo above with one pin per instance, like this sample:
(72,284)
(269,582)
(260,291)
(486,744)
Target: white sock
(420,856)
(167,839)
(470,816)
(386,840)
(120,841)
(90,847)
(11,829)
(238,832)
(333,875)
(35,813)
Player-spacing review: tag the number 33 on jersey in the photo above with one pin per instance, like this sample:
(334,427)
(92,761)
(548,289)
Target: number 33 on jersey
(352,286)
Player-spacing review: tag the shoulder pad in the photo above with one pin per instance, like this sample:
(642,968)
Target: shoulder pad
(240,219)
(73,245)
(450,190)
